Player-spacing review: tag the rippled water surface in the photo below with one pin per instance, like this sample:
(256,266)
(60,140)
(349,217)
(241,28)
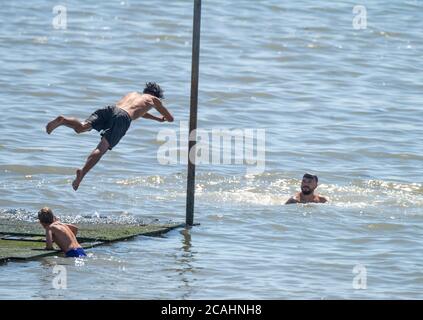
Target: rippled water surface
(343,103)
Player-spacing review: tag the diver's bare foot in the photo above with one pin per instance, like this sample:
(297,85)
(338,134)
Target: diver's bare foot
(78,179)
(54,124)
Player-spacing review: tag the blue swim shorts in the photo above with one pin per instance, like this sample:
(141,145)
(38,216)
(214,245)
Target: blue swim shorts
(76,253)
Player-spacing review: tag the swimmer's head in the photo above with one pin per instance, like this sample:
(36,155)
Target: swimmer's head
(309,184)
(46,216)
(153,89)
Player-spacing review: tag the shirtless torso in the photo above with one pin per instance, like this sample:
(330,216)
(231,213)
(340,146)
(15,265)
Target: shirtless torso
(300,198)
(64,235)
(138,105)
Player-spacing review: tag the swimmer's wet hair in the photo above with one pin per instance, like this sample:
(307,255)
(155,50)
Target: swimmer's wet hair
(310,176)
(153,89)
(45,215)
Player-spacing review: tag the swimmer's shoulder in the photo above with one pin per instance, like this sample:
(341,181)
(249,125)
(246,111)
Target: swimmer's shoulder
(294,199)
(59,226)
(56,227)
(322,199)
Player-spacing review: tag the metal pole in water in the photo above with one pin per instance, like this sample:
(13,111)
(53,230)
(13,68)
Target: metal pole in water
(193,112)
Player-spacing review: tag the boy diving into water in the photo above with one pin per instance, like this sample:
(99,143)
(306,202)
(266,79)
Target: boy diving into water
(64,235)
(114,121)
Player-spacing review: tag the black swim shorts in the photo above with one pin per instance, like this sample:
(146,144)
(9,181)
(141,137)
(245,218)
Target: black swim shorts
(112,121)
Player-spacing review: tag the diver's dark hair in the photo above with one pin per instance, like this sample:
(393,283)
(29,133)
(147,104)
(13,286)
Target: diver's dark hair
(153,89)
(310,176)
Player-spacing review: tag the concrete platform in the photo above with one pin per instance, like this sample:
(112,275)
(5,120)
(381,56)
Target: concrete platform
(20,240)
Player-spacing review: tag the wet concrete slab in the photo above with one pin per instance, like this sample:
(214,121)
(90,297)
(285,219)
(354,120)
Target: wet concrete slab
(22,240)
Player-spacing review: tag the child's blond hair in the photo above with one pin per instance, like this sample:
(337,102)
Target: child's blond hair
(45,215)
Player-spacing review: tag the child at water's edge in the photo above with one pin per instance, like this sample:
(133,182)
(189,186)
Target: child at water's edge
(64,235)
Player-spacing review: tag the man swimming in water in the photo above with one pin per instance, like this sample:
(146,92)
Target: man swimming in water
(308,185)
(64,235)
(114,121)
